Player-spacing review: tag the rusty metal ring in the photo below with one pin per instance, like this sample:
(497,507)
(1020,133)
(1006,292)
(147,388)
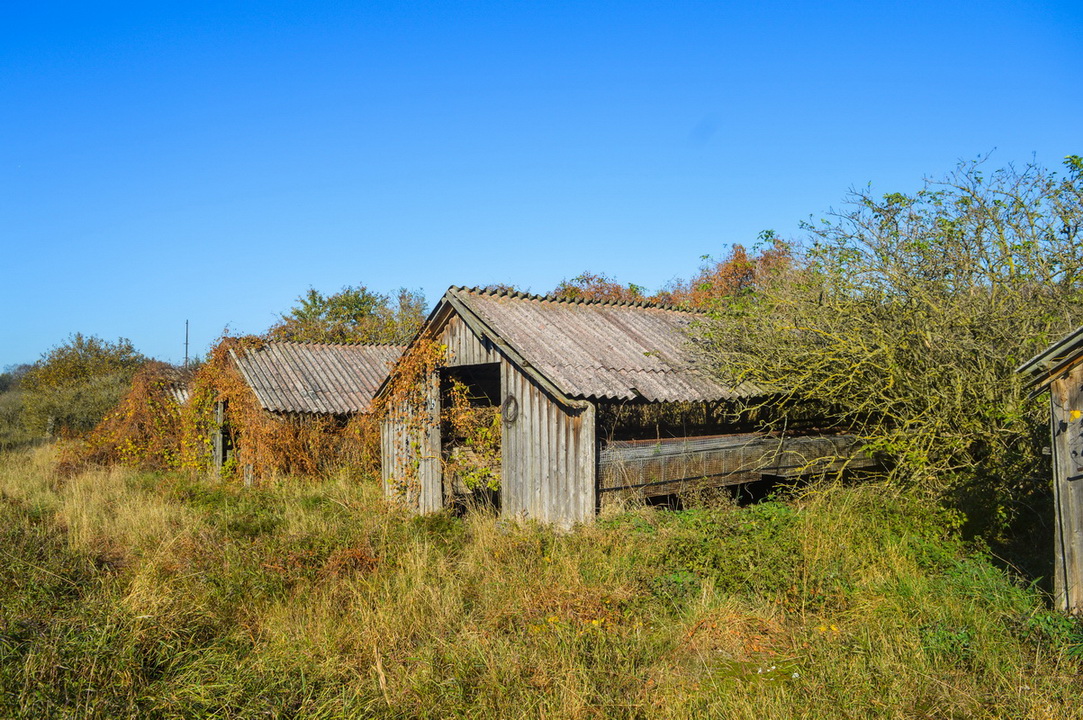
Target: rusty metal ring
(509,410)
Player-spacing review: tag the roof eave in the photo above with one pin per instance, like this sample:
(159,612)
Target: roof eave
(482,329)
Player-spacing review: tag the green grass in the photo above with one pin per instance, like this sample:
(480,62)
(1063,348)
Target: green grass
(134,595)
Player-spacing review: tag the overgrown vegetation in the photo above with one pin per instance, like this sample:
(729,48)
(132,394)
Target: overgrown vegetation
(144,430)
(473,431)
(907,316)
(13,431)
(405,405)
(268,444)
(128,594)
(718,281)
(71,388)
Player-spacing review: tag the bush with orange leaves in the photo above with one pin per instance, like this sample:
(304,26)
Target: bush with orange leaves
(736,275)
(143,430)
(592,286)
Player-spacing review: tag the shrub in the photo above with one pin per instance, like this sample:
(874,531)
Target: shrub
(71,388)
(906,318)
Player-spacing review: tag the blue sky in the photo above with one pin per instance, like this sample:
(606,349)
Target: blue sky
(211,161)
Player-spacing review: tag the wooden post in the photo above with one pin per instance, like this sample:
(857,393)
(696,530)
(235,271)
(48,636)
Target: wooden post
(1066,428)
(218,440)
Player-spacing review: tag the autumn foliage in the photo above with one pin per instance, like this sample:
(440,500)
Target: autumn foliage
(267,444)
(735,276)
(144,430)
(739,273)
(71,388)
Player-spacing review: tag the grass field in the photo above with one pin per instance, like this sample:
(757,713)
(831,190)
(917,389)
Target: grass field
(133,595)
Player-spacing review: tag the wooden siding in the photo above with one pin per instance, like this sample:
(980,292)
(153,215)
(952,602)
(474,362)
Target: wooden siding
(400,450)
(464,347)
(660,467)
(1066,421)
(548,456)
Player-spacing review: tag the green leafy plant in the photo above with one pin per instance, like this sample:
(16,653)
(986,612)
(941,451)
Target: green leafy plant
(906,317)
(73,385)
(354,314)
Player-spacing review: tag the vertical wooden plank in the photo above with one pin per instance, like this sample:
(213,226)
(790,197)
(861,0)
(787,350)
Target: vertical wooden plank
(512,500)
(526,443)
(509,449)
(565,479)
(586,493)
(1060,597)
(505,441)
(545,451)
(1066,417)
(552,469)
(389,462)
(530,437)
(430,469)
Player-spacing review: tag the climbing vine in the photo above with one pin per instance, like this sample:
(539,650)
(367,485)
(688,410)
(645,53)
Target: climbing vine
(469,427)
(266,444)
(143,430)
(474,439)
(151,429)
(407,406)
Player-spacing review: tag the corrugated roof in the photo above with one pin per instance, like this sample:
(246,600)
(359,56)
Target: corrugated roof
(598,350)
(177,383)
(315,378)
(1055,360)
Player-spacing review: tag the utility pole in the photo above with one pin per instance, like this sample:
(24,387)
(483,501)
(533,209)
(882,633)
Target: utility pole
(185,343)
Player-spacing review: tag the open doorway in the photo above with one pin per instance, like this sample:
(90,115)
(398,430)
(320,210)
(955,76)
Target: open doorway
(470,431)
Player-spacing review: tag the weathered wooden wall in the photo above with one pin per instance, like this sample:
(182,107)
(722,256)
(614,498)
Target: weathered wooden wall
(548,467)
(400,449)
(464,347)
(1066,420)
(548,451)
(659,467)
(410,459)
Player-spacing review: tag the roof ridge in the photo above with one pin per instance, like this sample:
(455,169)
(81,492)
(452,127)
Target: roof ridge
(550,297)
(350,343)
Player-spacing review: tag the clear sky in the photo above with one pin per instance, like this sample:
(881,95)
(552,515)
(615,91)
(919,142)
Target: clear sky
(210,161)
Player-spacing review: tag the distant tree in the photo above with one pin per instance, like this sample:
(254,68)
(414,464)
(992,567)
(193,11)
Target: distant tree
(12,375)
(354,314)
(592,286)
(76,383)
(733,277)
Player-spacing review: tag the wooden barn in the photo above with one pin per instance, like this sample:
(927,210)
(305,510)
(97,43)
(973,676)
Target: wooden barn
(594,400)
(1059,369)
(286,406)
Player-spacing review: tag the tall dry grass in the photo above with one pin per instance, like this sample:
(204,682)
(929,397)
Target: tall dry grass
(135,595)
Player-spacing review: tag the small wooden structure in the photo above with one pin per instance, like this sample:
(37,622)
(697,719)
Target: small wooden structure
(597,400)
(320,385)
(1059,369)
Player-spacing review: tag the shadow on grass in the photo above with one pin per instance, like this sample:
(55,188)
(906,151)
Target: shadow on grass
(1018,531)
